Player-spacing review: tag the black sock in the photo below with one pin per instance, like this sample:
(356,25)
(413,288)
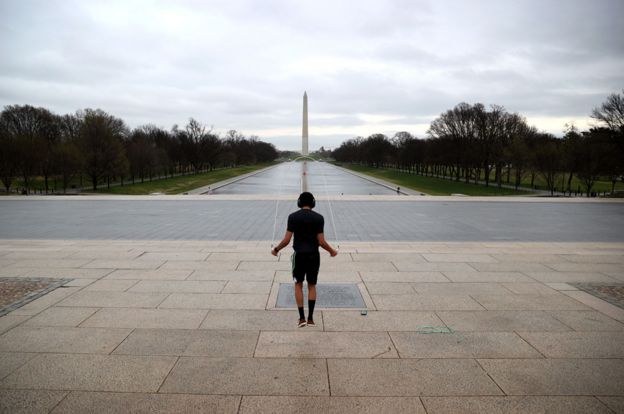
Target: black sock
(301,314)
(311,304)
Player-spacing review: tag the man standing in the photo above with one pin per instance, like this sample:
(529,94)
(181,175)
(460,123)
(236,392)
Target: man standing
(307,226)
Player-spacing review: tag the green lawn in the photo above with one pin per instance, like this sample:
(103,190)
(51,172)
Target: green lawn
(182,184)
(431,185)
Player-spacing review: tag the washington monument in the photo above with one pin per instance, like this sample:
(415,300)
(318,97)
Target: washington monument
(304,137)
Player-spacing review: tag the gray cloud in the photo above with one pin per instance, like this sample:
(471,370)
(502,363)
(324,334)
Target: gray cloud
(368,66)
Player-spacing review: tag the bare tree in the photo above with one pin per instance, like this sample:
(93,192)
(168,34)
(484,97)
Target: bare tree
(29,128)
(611,112)
(9,154)
(548,159)
(101,143)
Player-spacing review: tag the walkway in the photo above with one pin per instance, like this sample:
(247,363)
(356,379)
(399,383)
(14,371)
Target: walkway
(192,327)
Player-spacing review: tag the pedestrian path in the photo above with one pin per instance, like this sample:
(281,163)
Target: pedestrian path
(178,326)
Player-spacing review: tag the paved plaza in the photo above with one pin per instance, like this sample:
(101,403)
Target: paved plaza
(192,326)
(354,218)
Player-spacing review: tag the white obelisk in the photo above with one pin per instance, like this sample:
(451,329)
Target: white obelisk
(304,138)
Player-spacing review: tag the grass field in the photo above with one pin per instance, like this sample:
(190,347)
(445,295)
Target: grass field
(599,186)
(182,184)
(431,185)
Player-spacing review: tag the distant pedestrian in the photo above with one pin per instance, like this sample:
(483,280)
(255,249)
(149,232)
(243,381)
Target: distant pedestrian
(307,226)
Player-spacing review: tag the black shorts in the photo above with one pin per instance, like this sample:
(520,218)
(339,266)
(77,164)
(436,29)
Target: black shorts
(306,266)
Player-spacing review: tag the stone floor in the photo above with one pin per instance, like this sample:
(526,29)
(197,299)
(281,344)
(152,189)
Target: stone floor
(189,326)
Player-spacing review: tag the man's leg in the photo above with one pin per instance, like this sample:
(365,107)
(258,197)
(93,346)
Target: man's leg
(311,303)
(299,300)
(312,276)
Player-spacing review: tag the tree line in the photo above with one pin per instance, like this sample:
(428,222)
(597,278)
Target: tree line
(476,144)
(34,142)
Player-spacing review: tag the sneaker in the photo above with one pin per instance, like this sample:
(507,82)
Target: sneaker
(311,322)
(302,323)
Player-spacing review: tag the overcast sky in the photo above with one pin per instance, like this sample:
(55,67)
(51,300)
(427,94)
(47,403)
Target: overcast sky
(368,66)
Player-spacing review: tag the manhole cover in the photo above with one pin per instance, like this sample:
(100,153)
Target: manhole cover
(610,292)
(328,295)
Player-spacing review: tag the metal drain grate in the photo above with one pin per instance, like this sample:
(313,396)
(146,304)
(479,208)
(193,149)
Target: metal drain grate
(328,295)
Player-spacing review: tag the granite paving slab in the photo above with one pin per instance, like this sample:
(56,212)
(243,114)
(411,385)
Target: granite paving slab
(146,318)
(60,316)
(45,301)
(557,376)
(569,277)
(29,401)
(111,285)
(50,263)
(254,320)
(215,301)
(185,342)
(458,258)
(62,339)
(9,321)
(248,376)
(612,293)
(404,277)
(114,299)
(262,265)
(501,321)
(123,264)
(102,254)
(251,275)
(91,373)
(514,405)
(330,405)
(264,256)
(238,286)
(458,288)
(530,289)
(587,267)
(598,304)
(510,267)
(488,277)
(577,344)
(593,258)
(387,288)
(455,344)
(387,257)
(200,265)
(310,344)
(142,274)
(425,302)
(178,286)
(528,302)
(173,256)
(380,321)
(409,266)
(614,403)
(587,320)
(144,403)
(65,273)
(528,258)
(10,361)
(409,377)
(337,266)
